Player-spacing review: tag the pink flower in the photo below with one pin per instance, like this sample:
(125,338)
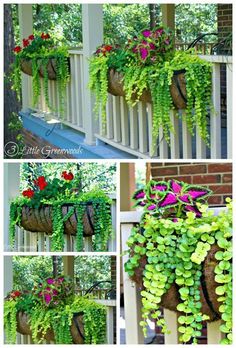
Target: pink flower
(61,279)
(144,42)
(143,53)
(55,292)
(146,33)
(50,281)
(167,42)
(47,298)
(134,49)
(175,220)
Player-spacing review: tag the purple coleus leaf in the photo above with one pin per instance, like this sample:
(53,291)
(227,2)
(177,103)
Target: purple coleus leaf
(142,204)
(47,298)
(143,53)
(146,33)
(159,186)
(151,207)
(152,46)
(185,199)
(140,194)
(159,32)
(50,280)
(196,192)
(169,200)
(176,186)
(193,209)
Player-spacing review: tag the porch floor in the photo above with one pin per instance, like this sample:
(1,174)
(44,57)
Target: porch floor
(69,141)
(65,142)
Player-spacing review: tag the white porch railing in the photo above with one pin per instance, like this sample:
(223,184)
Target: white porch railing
(129,129)
(41,242)
(132,298)
(110,322)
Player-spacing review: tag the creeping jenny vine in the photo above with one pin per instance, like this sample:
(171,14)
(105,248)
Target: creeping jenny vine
(170,247)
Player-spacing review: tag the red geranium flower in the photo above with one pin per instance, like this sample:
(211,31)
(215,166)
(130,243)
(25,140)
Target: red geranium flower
(41,182)
(15,294)
(17,49)
(31,37)
(45,36)
(108,48)
(67,176)
(25,42)
(28,193)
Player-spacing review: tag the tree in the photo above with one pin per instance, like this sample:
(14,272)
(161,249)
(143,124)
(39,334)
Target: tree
(12,125)
(30,270)
(152,14)
(92,269)
(89,175)
(121,21)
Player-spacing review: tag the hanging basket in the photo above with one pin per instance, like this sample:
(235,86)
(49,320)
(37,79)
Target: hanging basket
(76,329)
(40,219)
(177,88)
(170,300)
(26,67)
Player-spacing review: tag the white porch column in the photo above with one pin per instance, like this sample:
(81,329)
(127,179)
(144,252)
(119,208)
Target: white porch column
(68,266)
(168,15)
(92,21)
(11,190)
(8,274)
(26,29)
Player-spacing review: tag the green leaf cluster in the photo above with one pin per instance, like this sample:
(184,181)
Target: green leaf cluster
(174,252)
(157,78)
(59,319)
(40,56)
(98,200)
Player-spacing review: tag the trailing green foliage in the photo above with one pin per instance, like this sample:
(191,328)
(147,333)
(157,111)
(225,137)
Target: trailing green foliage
(63,198)
(98,71)
(57,317)
(148,63)
(39,51)
(10,322)
(170,247)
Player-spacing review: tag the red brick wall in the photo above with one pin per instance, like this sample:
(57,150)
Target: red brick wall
(224,21)
(224,15)
(216,176)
